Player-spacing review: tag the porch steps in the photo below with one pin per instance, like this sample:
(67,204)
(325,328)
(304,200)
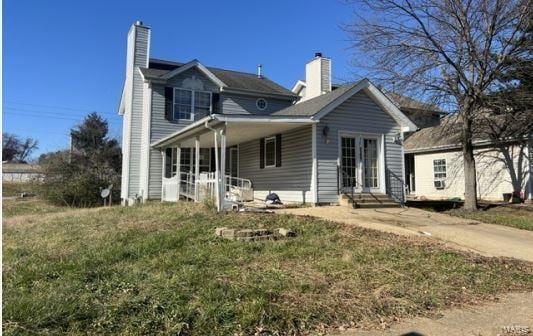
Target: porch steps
(368,201)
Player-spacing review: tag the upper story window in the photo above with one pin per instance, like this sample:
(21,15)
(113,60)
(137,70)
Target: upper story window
(261,103)
(188,103)
(439,173)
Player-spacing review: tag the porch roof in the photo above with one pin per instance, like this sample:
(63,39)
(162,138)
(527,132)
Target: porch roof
(239,129)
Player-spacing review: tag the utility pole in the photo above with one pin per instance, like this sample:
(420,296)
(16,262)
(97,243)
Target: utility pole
(70,149)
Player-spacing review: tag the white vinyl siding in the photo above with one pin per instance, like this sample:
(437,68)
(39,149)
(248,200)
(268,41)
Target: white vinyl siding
(492,175)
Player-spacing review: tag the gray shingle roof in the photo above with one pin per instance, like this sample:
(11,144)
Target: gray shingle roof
(446,134)
(449,134)
(314,105)
(233,79)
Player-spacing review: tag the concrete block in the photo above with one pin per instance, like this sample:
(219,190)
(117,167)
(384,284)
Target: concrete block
(286,232)
(218,231)
(228,233)
(261,232)
(244,233)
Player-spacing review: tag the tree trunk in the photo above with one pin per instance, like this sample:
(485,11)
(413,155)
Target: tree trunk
(469,164)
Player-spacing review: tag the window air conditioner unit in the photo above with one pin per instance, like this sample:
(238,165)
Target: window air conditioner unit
(440,184)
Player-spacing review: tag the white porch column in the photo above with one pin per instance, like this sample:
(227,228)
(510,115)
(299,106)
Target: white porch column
(178,168)
(222,166)
(164,160)
(217,184)
(196,166)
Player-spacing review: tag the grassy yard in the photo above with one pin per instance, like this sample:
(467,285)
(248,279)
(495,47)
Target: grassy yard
(15,189)
(514,217)
(158,268)
(28,205)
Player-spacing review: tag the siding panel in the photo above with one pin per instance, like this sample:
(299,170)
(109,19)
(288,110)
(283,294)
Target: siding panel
(161,127)
(291,181)
(232,104)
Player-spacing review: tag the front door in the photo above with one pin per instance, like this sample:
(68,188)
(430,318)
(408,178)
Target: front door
(370,163)
(349,169)
(360,168)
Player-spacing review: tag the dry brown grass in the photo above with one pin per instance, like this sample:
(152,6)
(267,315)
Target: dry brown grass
(158,268)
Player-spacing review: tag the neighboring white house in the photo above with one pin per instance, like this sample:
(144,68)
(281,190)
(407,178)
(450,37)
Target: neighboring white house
(187,125)
(20,172)
(434,165)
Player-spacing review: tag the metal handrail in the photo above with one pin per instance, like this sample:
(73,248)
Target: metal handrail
(352,183)
(394,180)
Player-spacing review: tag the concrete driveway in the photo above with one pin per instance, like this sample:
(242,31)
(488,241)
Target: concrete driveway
(486,239)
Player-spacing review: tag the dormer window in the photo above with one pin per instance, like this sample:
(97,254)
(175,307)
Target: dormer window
(188,103)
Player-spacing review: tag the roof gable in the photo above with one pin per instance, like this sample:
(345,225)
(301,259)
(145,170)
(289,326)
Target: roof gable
(320,106)
(233,80)
(200,67)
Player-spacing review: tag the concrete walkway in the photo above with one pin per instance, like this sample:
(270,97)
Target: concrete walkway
(486,239)
(512,312)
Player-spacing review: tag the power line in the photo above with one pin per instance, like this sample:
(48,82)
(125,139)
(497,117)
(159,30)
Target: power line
(40,111)
(50,115)
(57,107)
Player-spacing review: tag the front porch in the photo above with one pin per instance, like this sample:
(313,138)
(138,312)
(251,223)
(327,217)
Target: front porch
(203,160)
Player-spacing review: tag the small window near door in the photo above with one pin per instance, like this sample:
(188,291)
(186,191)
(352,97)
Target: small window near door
(270,152)
(439,173)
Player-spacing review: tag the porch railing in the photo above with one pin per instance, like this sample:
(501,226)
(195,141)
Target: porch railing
(235,189)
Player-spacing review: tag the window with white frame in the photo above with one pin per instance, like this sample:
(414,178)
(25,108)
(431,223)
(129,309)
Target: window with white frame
(270,152)
(187,103)
(439,173)
(174,162)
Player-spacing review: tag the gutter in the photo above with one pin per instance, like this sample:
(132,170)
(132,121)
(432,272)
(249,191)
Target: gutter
(459,146)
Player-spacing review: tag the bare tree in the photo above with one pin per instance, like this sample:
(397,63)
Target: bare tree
(448,51)
(16,149)
(508,121)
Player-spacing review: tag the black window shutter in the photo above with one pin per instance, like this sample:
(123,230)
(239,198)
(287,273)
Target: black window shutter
(215,97)
(278,150)
(262,153)
(169,98)
(168,162)
(213,162)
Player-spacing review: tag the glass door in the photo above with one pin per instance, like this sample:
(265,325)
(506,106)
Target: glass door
(349,163)
(370,162)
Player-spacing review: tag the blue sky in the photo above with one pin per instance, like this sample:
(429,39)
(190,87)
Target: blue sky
(64,59)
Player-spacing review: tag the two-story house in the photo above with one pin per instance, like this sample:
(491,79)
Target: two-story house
(184,123)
